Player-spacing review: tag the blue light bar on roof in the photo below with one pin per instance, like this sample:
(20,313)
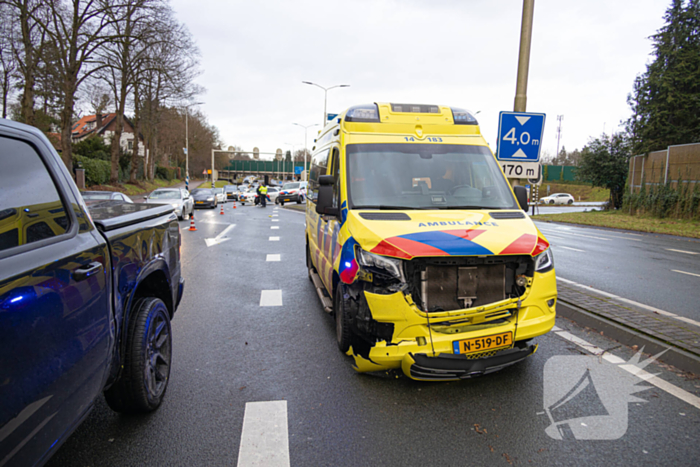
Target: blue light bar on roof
(363,113)
(463,117)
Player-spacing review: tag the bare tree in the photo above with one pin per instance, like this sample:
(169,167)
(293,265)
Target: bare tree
(29,40)
(132,34)
(167,75)
(77,29)
(8,61)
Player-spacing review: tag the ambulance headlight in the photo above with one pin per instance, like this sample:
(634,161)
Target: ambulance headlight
(390,266)
(544,261)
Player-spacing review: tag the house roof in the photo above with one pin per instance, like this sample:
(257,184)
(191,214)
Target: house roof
(83,127)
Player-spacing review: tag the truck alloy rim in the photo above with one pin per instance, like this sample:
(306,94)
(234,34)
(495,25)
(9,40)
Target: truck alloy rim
(159,353)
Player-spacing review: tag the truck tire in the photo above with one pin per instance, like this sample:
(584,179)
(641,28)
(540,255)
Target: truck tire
(146,361)
(343,333)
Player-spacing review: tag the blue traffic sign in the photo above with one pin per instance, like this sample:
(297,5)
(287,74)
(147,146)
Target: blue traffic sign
(520,136)
(298,169)
(331,116)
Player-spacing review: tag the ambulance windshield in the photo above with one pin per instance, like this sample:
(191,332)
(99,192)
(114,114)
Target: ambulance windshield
(425,176)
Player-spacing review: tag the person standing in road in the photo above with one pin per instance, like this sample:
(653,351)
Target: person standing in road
(262,193)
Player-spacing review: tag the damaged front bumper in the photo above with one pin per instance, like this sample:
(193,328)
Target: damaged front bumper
(450,367)
(422,344)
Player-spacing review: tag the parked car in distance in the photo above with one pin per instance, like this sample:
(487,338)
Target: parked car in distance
(178,198)
(204,198)
(292,191)
(558,198)
(231,192)
(104,196)
(220,195)
(86,300)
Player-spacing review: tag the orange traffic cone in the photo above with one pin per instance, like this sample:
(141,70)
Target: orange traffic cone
(234,205)
(222,209)
(192,227)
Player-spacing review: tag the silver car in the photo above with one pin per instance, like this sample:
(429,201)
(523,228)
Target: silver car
(179,198)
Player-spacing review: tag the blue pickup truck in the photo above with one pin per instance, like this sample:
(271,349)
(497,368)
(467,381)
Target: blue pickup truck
(86,299)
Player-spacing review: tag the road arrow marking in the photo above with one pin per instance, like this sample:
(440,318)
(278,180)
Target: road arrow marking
(522,119)
(221,238)
(519,153)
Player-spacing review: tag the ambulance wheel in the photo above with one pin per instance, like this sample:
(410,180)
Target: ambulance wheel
(343,333)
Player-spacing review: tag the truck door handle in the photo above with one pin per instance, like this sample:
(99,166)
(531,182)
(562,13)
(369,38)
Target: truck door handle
(86,271)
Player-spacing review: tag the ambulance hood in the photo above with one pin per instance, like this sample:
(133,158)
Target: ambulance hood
(445,233)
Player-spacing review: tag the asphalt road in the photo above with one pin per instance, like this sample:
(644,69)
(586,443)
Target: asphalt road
(662,271)
(229,351)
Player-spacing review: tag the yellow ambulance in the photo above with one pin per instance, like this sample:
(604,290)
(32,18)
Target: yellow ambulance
(419,247)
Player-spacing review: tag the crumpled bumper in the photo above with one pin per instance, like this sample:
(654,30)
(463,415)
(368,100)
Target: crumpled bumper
(451,367)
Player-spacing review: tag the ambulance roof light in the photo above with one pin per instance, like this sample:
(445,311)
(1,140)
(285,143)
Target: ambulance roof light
(463,117)
(415,108)
(363,113)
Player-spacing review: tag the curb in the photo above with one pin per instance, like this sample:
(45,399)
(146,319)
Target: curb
(675,356)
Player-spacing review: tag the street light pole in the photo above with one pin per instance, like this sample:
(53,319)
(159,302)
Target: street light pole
(306,150)
(325,95)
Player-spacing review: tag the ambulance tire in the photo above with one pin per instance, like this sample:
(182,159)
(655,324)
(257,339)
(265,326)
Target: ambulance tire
(343,333)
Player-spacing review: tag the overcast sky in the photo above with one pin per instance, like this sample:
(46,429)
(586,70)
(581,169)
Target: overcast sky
(462,53)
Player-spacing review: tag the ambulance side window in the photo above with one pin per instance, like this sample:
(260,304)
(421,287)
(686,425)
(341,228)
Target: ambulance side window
(319,164)
(335,171)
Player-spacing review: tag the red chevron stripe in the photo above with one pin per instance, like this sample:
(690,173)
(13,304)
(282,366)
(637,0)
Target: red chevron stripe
(388,249)
(522,246)
(416,248)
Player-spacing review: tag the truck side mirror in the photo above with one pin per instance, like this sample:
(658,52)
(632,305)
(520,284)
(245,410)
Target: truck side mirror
(324,203)
(521,196)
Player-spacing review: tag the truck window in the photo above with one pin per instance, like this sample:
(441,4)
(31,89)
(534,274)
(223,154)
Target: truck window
(30,207)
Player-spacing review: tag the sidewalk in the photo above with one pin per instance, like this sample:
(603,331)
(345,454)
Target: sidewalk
(631,325)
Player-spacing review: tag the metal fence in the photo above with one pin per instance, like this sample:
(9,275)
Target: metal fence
(681,162)
(559,173)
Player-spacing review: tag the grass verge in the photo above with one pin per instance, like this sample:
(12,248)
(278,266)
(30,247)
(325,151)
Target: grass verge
(620,220)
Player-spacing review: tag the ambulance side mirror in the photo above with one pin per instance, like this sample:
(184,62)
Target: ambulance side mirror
(324,203)
(521,195)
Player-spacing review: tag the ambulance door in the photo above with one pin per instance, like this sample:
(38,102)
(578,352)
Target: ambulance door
(328,243)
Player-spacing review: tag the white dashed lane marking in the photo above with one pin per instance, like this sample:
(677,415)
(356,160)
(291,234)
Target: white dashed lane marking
(274,258)
(265,436)
(682,251)
(642,374)
(274,239)
(275,220)
(270,298)
(569,248)
(275,227)
(688,273)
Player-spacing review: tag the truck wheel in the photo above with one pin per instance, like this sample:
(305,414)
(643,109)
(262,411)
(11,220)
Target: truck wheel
(343,333)
(146,362)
